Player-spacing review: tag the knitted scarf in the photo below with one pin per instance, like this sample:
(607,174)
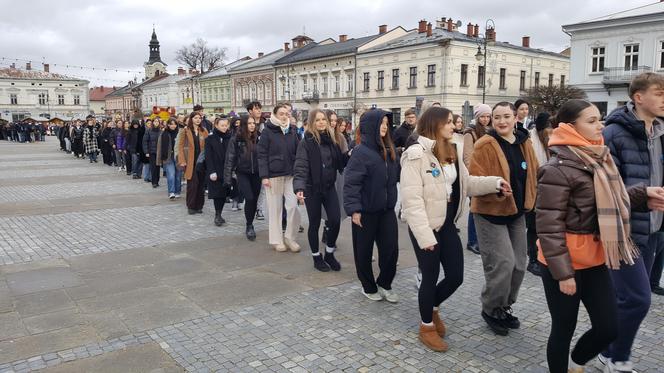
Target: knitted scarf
(285,126)
(611,199)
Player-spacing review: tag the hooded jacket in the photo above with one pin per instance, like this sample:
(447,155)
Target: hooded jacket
(240,159)
(276,151)
(370,182)
(316,165)
(626,137)
(150,140)
(216,146)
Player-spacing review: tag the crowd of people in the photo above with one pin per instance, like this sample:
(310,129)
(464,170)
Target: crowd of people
(570,196)
(23,132)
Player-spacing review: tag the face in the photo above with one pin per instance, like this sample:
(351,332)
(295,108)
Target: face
(127,125)
(588,124)
(237,123)
(290,111)
(651,101)
(484,119)
(222,125)
(156,123)
(251,125)
(411,119)
(255,112)
(320,123)
(111,125)
(522,111)
(282,114)
(333,121)
(91,122)
(458,124)
(172,125)
(196,120)
(383,126)
(446,128)
(342,127)
(148,124)
(503,120)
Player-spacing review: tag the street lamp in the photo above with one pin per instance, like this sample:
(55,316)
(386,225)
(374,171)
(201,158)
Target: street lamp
(482,53)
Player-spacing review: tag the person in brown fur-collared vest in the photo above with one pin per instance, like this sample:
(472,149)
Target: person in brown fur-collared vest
(499,218)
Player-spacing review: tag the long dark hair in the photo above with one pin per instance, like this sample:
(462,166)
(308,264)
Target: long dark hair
(250,138)
(569,111)
(190,122)
(428,125)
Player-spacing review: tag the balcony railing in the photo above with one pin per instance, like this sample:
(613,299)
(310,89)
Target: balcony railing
(311,97)
(620,75)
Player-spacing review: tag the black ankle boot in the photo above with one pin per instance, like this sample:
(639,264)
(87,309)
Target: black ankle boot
(320,264)
(251,233)
(332,262)
(218,220)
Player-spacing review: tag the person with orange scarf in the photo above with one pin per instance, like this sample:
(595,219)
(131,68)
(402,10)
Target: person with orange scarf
(583,210)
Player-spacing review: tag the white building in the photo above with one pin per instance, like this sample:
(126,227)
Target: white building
(164,93)
(607,52)
(32,93)
(442,64)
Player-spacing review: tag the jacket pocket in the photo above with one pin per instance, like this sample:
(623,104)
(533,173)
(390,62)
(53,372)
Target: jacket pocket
(277,163)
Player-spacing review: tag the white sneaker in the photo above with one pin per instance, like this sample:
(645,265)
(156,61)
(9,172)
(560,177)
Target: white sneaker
(619,367)
(418,278)
(177,196)
(603,359)
(389,295)
(376,297)
(292,245)
(171,196)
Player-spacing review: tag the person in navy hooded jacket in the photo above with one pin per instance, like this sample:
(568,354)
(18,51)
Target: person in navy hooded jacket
(370,194)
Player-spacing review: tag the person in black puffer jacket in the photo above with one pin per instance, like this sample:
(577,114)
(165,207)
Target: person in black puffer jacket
(404,131)
(318,160)
(216,146)
(150,140)
(242,158)
(370,194)
(276,156)
(132,147)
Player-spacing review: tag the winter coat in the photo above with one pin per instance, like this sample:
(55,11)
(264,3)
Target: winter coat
(150,139)
(216,146)
(119,140)
(370,182)
(239,159)
(276,151)
(566,205)
(186,149)
(317,165)
(424,196)
(77,133)
(489,160)
(131,142)
(626,137)
(401,134)
(90,135)
(165,136)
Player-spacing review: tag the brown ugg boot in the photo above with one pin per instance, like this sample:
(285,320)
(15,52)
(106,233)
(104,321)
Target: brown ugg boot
(440,325)
(430,338)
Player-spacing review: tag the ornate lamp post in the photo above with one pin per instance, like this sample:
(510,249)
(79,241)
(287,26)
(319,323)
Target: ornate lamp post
(482,52)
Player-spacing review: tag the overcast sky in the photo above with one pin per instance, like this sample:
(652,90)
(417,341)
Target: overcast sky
(115,33)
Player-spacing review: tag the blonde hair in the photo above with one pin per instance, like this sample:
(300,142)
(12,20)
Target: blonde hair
(311,126)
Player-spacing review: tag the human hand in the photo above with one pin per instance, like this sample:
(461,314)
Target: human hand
(213,176)
(357,219)
(430,248)
(300,196)
(656,198)
(266,183)
(505,188)
(568,286)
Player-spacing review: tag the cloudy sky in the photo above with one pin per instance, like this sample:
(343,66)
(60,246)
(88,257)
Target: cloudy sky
(114,34)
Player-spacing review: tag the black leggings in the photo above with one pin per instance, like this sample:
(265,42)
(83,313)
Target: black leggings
(449,253)
(219,204)
(595,290)
(250,188)
(314,205)
(531,236)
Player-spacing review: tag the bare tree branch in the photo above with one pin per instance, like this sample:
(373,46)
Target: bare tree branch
(200,56)
(550,98)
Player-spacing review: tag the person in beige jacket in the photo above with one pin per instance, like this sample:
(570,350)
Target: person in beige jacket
(434,184)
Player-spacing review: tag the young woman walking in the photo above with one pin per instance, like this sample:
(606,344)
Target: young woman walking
(317,163)
(216,146)
(499,220)
(150,140)
(133,149)
(166,158)
(242,158)
(90,135)
(370,194)
(191,144)
(583,211)
(434,184)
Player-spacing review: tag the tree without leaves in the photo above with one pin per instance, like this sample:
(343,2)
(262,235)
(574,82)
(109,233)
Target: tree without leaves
(198,55)
(550,98)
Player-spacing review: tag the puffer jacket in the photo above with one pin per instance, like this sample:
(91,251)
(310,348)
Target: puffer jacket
(317,165)
(626,137)
(370,182)
(276,151)
(240,159)
(150,140)
(424,197)
(566,204)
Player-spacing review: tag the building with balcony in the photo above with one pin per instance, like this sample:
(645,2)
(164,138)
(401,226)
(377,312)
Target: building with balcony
(41,94)
(607,52)
(215,88)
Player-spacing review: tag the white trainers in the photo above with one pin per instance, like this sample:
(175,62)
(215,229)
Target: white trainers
(619,367)
(389,295)
(292,245)
(171,196)
(376,297)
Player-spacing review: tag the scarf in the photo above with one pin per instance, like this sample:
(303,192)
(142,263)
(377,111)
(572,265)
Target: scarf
(285,126)
(167,142)
(611,199)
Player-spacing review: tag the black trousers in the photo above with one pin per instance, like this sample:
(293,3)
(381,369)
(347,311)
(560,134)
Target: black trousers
(250,188)
(127,157)
(154,169)
(196,191)
(219,204)
(449,253)
(595,290)
(531,235)
(657,267)
(379,228)
(314,204)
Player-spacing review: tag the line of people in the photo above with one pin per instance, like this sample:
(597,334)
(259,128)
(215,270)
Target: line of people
(24,132)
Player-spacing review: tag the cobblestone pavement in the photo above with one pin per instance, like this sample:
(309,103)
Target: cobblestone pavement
(317,328)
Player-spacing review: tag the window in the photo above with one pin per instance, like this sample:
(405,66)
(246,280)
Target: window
(365,87)
(464,75)
(13,99)
(396,115)
(631,57)
(562,80)
(431,75)
(61,99)
(325,85)
(315,84)
(304,84)
(350,82)
(480,77)
(537,76)
(503,77)
(337,85)
(660,54)
(77,100)
(42,99)
(522,81)
(550,80)
(381,80)
(395,78)
(412,83)
(598,55)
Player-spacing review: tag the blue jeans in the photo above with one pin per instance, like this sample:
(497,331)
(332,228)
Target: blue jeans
(146,172)
(173,177)
(92,156)
(136,165)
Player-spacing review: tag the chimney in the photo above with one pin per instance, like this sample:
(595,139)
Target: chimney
(46,68)
(382,29)
(286,47)
(476,30)
(28,66)
(429,29)
(343,38)
(102,88)
(12,66)
(525,41)
(470,30)
(422,27)
(491,34)
(450,25)
(181,71)
(260,54)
